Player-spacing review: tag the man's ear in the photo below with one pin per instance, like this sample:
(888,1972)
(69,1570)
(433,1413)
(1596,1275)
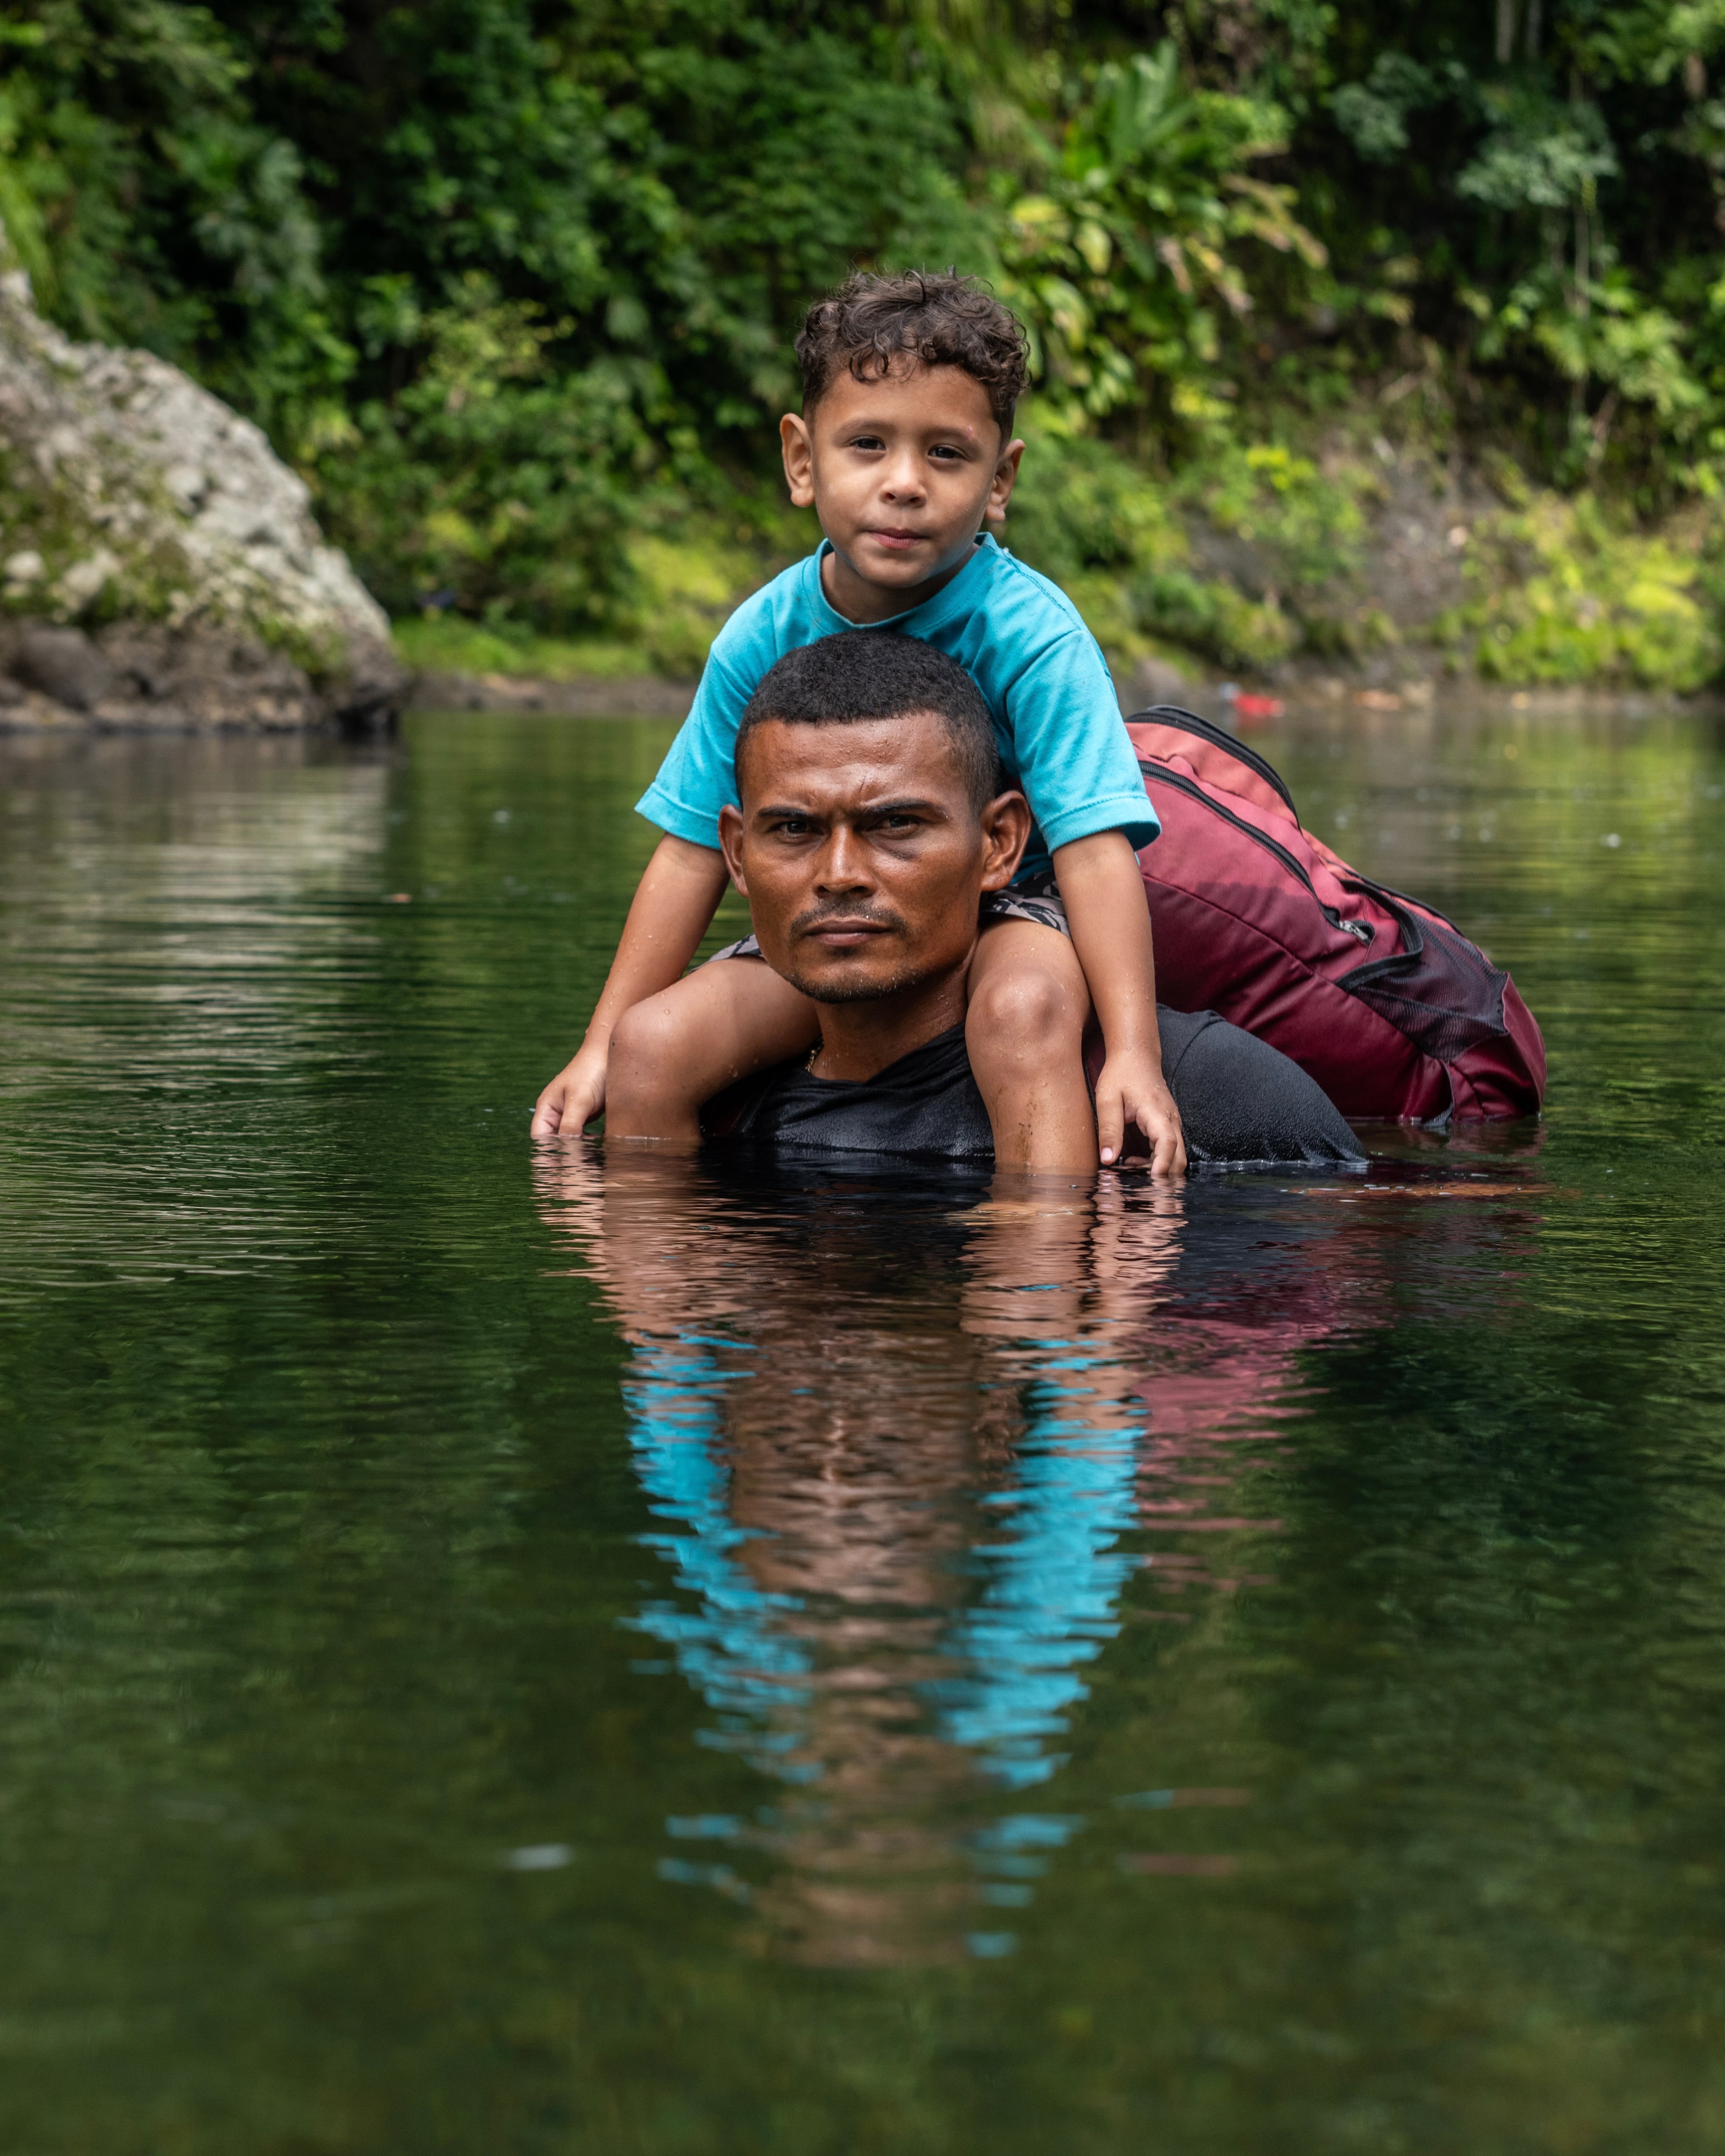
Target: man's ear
(1006,832)
(797,446)
(731,844)
(1006,474)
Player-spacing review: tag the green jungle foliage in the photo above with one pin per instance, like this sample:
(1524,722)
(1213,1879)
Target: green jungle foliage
(514,283)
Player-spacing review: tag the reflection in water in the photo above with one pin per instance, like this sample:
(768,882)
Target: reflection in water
(906,1449)
(892,1456)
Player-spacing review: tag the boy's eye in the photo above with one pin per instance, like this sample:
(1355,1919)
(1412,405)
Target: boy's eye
(867,442)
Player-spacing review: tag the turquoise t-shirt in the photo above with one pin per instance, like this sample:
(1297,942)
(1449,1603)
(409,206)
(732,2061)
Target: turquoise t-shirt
(1022,641)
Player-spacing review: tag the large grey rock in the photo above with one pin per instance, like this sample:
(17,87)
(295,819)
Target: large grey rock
(131,496)
(63,663)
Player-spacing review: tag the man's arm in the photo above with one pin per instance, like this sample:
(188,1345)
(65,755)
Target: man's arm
(1110,920)
(673,905)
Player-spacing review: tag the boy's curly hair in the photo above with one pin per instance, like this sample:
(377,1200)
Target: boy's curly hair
(936,316)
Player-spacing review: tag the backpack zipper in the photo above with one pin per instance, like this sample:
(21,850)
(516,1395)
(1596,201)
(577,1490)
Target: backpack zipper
(1164,715)
(1385,892)
(1361,931)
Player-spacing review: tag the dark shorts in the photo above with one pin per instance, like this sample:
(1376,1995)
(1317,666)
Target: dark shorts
(1037,899)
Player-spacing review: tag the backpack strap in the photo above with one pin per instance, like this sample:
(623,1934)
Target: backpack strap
(1217,755)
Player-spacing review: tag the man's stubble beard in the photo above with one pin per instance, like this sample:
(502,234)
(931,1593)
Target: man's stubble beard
(863,992)
(909,975)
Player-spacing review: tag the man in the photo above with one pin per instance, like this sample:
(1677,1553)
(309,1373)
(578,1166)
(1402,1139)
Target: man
(872,837)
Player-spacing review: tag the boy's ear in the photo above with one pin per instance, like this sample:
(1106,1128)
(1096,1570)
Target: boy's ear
(1006,474)
(797,449)
(731,844)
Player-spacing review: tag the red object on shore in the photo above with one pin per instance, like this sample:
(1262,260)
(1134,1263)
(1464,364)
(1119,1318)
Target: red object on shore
(1252,709)
(1383,1001)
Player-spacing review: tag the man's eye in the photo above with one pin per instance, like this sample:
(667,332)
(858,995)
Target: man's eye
(899,824)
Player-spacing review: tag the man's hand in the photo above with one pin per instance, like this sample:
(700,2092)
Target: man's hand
(1130,1089)
(574,1097)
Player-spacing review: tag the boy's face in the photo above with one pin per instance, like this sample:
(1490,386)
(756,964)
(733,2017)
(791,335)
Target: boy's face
(902,471)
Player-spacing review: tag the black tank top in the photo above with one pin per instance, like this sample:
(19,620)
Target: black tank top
(1242,1102)
(927,1102)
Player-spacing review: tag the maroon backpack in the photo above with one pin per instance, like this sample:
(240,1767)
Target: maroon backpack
(1383,1001)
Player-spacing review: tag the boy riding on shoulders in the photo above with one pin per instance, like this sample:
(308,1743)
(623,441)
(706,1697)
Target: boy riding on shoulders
(903,449)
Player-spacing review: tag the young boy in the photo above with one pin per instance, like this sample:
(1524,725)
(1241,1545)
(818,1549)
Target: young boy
(903,449)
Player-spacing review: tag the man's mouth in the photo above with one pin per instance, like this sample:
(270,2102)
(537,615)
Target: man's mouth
(843,931)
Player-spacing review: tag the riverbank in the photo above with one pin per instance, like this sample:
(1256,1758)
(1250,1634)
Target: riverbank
(68,684)
(1304,692)
(1361,577)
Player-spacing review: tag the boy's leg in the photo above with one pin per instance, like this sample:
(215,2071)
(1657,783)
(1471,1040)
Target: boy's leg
(1025,1030)
(675,1050)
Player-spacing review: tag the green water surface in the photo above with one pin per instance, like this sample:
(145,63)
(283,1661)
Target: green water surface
(501,1651)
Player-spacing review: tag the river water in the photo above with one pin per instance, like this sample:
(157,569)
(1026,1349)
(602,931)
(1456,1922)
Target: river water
(502,1650)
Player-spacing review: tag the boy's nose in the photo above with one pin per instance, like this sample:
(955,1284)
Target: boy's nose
(903,480)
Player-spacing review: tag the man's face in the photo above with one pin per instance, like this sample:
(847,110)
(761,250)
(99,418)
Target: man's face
(860,854)
(902,469)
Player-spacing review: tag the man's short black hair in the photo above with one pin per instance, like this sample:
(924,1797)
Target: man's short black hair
(934,315)
(877,674)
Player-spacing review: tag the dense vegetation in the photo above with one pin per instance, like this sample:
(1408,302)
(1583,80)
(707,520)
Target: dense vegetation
(513,282)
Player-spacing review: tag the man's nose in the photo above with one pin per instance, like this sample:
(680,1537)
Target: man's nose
(843,862)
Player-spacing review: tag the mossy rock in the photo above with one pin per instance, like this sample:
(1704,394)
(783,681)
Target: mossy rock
(128,494)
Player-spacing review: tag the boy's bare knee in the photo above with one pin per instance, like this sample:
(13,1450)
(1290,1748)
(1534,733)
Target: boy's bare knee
(647,1045)
(645,1030)
(1025,1007)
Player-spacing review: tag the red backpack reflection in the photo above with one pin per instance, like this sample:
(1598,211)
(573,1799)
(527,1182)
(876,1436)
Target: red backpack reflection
(1383,1001)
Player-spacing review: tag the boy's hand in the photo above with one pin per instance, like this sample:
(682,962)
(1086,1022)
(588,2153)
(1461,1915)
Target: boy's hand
(1130,1089)
(574,1097)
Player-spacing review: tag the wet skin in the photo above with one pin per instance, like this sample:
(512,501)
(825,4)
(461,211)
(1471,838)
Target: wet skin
(864,860)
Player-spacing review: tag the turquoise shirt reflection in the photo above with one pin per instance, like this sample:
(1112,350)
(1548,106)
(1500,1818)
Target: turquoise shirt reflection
(1045,1590)
(889,1437)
